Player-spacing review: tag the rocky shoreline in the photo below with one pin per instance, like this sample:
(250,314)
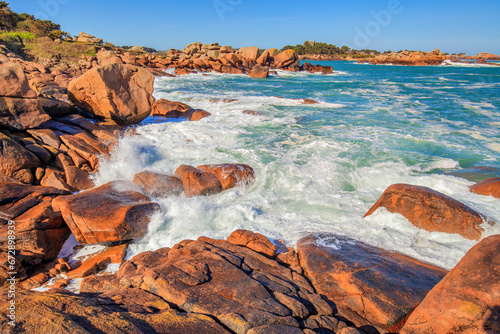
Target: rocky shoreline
(58,119)
(412,58)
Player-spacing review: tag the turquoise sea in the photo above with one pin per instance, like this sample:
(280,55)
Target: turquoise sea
(320,167)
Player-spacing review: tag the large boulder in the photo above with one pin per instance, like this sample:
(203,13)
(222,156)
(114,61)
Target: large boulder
(285,58)
(118,92)
(111,212)
(369,285)
(19,106)
(105,57)
(467,300)
(490,187)
(259,71)
(430,210)
(249,52)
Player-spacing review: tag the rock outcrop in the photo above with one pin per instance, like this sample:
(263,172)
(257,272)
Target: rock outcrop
(430,210)
(244,291)
(86,38)
(19,106)
(112,212)
(369,285)
(114,91)
(259,71)
(39,231)
(467,299)
(413,58)
(130,311)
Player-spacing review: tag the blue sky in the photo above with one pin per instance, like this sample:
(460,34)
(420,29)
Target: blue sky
(451,25)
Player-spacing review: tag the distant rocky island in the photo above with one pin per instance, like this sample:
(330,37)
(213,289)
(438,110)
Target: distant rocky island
(65,102)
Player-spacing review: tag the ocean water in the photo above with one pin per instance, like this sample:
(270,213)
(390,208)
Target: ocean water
(320,167)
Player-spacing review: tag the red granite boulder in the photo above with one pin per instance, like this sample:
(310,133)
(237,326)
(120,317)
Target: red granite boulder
(118,92)
(467,299)
(230,175)
(111,212)
(490,187)
(369,285)
(127,311)
(15,161)
(259,71)
(430,210)
(285,58)
(172,109)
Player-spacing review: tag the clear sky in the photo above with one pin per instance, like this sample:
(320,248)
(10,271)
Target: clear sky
(451,25)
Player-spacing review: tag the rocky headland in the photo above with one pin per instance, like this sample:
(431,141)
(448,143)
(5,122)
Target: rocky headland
(60,116)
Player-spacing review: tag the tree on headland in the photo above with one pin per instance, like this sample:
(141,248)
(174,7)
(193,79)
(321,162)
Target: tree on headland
(8,19)
(13,22)
(320,48)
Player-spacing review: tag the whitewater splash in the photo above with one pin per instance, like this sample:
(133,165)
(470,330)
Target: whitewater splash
(319,167)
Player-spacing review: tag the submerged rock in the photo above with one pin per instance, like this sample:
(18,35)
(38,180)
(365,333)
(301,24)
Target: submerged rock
(172,109)
(430,210)
(369,285)
(111,212)
(467,299)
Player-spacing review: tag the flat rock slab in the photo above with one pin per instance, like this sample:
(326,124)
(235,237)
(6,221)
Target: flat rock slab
(366,282)
(111,212)
(237,286)
(128,311)
(431,210)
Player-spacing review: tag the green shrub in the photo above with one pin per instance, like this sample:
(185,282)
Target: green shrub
(14,36)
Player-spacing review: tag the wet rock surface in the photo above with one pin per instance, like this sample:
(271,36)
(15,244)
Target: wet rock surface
(467,299)
(369,285)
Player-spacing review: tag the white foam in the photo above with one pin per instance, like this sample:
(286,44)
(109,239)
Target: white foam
(449,63)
